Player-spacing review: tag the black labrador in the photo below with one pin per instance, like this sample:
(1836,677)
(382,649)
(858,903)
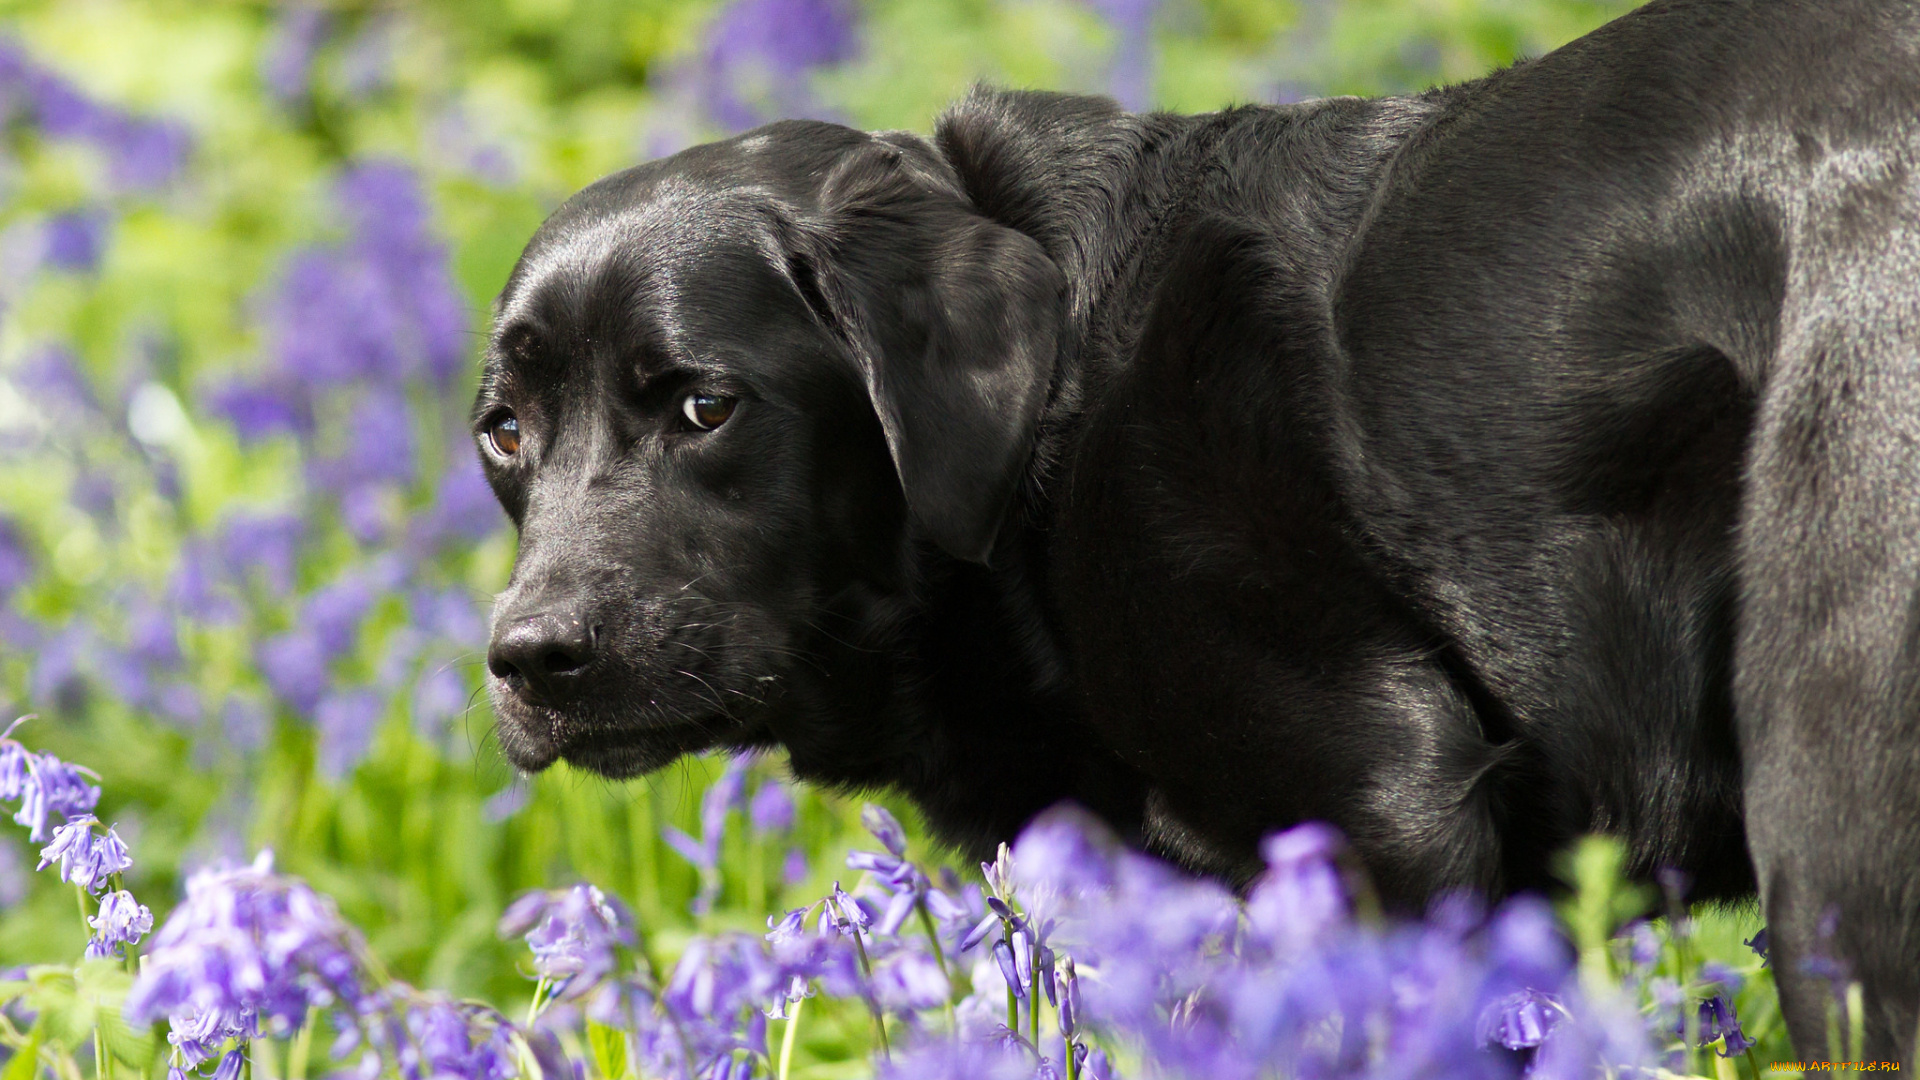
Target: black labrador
(1471,470)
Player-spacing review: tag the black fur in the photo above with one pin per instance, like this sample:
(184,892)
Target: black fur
(1471,470)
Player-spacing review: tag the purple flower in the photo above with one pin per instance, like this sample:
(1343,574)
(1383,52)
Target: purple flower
(966,1061)
(1065,850)
(885,828)
(439,696)
(760,52)
(86,859)
(151,635)
(333,613)
(572,933)
(259,409)
(266,543)
(449,614)
(56,382)
(45,786)
(1758,943)
(463,506)
(287,65)
(16,562)
(1519,1020)
(909,981)
(346,722)
(122,920)
(229,1067)
(1718,1021)
(1131,80)
(247,950)
(1003,955)
(75,240)
(771,810)
(295,667)
(56,673)
(456,1042)
(1302,895)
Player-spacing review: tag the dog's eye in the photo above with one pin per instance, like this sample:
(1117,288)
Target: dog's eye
(707,411)
(503,431)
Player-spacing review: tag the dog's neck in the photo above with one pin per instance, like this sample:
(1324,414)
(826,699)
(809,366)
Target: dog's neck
(1104,191)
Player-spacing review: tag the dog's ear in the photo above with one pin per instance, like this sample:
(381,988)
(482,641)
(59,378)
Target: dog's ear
(955,322)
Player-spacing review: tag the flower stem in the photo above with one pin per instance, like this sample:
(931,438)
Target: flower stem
(1033,1004)
(533,1007)
(790,1037)
(866,972)
(940,955)
(302,1043)
(102,1064)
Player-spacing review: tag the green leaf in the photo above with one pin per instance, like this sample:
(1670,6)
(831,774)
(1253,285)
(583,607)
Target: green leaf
(609,1049)
(103,985)
(23,1064)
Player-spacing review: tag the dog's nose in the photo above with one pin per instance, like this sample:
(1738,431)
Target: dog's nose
(541,655)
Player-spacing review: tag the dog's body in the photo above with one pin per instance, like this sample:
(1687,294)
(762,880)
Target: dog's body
(1470,470)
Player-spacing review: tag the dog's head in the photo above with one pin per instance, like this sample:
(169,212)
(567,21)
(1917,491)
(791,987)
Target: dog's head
(726,392)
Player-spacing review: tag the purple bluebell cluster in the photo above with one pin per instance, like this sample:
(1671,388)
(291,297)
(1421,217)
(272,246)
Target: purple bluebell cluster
(43,786)
(247,952)
(366,336)
(761,54)
(141,153)
(250,953)
(721,798)
(1079,947)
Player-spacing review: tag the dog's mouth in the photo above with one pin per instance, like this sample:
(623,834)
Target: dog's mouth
(534,737)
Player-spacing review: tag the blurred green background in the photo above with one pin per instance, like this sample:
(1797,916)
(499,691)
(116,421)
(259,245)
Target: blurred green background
(203,205)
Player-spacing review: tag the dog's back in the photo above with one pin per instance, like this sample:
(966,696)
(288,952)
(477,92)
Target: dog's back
(1582,493)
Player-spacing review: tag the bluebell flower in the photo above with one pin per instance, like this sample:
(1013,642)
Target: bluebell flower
(16,561)
(1718,1021)
(1003,955)
(1758,943)
(771,809)
(296,669)
(54,379)
(1302,895)
(195,587)
(247,951)
(1131,78)
(885,828)
(1520,1020)
(287,64)
(334,611)
(75,240)
(439,696)
(760,53)
(151,634)
(966,1061)
(573,934)
(264,543)
(263,408)
(346,721)
(229,1067)
(463,509)
(56,671)
(86,858)
(49,786)
(121,921)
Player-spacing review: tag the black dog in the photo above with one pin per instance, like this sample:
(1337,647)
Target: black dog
(1471,470)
